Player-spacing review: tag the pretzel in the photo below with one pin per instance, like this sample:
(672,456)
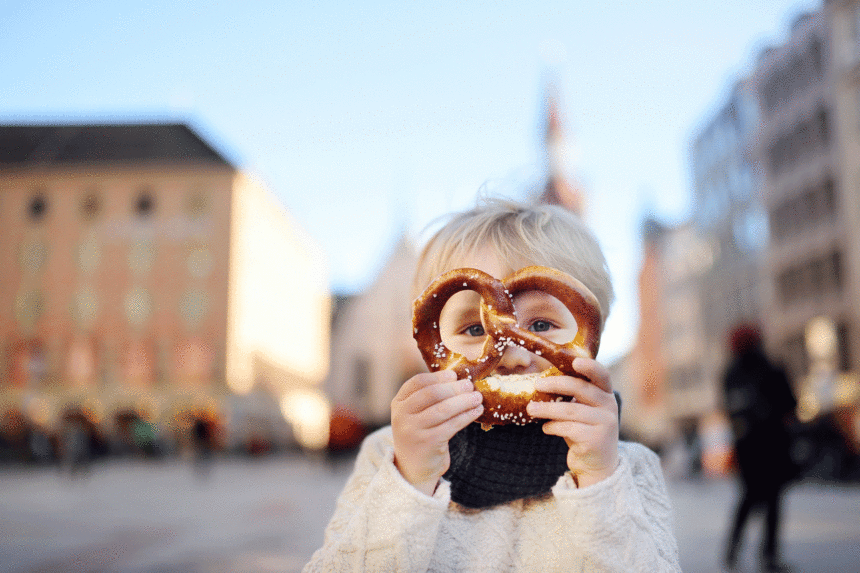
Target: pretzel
(500,325)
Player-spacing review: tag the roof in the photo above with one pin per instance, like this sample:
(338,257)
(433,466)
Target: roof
(39,145)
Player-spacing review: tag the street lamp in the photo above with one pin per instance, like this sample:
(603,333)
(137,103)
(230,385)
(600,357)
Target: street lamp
(821,342)
(309,413)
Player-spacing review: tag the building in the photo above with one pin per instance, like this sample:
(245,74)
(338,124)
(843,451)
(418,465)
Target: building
(712,274)
(730,217)
(804,150)
(373,351)
(810,138)
(143,272)
(641,374)
(772,238)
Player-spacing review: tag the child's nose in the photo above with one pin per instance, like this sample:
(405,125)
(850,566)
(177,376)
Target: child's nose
(515,358)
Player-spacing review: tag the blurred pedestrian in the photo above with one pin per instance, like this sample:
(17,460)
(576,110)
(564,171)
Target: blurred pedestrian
(202,435)
(77,448)
(760,403)
(143,434)
(41,449)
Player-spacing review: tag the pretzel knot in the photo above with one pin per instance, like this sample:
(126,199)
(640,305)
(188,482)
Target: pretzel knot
(500,322)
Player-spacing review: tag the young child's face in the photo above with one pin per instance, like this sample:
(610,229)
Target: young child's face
(460,320)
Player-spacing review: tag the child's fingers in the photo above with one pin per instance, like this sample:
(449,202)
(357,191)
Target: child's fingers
(420,382)
(571,431)
(442,412)
(567,411)
(438,393)
(582,391)
(451,426)
(596,373)
(423,380)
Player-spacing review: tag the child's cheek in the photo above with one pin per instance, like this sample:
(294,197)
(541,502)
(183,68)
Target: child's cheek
(559,335)
(469,346)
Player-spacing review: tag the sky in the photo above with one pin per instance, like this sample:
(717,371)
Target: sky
(371,119)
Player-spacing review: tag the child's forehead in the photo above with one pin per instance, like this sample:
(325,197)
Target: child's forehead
(485,259)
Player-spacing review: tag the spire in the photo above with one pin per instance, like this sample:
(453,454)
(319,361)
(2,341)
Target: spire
(559,189)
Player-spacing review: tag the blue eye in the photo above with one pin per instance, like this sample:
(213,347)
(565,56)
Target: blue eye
(540,326)
(475,330)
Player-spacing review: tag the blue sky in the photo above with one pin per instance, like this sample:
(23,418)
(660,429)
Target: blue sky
(368,118)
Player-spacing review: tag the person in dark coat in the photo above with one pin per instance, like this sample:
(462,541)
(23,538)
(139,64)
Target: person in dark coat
(203,446)
(761,404)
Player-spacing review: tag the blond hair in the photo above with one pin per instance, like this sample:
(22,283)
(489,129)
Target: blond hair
(523,235)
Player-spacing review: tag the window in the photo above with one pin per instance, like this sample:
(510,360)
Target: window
(822,126)
(813,207)
(138,306)
(843,336)
(833,264)
(90,206)
(817,57)
(361,380)
(29,307)
(812,278)
(857,28)
(37,208)
(89,254)
(793,354)
(196,204)
(807,139)
(193,306)
(857,108)
(85,308)
(144,206)
(32,256)
(141,256)
(199,261)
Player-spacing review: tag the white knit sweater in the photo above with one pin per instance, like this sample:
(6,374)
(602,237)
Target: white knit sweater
(381,523)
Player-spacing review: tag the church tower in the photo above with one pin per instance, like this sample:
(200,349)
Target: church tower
(559,188)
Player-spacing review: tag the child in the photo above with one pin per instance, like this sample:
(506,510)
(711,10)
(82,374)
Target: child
(434,492)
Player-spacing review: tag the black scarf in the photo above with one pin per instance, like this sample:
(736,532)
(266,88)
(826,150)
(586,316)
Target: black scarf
(503,464)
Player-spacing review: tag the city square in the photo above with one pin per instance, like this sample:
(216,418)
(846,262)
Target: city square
(211,230)
(268,514)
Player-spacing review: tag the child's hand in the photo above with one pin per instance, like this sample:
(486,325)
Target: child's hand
(589,423)
(426,412)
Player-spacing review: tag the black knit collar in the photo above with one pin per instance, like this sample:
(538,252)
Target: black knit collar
(503,464)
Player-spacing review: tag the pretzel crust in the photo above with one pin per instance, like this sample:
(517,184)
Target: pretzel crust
(501,404)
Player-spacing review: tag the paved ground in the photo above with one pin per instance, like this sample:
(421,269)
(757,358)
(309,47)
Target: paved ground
(268,515)
(821,527)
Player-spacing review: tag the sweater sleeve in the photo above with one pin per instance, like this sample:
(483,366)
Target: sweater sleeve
(380,522)
(623,523)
